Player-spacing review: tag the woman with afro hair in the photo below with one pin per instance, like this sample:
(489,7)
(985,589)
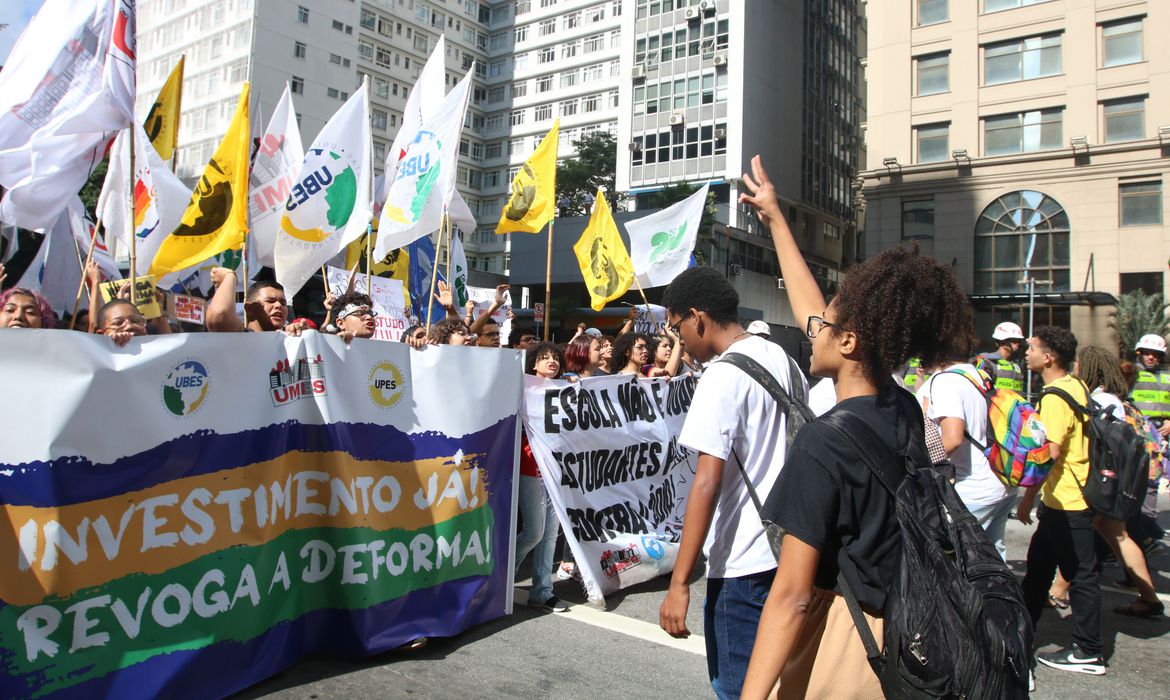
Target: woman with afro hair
(836,516)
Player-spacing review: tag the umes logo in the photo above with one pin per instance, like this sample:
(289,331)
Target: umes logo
(288,382)
(184,388)
(613,562)
(386,384)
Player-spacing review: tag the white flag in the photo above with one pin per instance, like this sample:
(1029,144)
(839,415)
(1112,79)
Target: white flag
(661,243)
(461,214)
(426,176)
(274,171)
(330,203)
(424,100)
(158,197)
(55,272)
(458,270)
(11,241)
(67,87)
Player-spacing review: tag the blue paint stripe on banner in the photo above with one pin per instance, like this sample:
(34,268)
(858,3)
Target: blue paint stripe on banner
(70,480)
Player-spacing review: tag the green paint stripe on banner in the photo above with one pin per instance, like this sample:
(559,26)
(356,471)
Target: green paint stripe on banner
(234,595)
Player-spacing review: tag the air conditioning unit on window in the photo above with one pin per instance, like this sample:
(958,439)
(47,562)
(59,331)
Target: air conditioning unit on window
(639,72)
(634,146)
(691,13)
(677,119)
(720,59)
(721,133)
(707,6)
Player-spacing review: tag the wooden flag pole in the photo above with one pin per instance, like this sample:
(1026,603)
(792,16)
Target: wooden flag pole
(81,285)
(133,233)
(430,301)
(645,301)
(325,280)
(548,279)
(369,258)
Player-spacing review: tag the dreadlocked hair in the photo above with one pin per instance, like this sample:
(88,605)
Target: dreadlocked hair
(903,304)
(1100,369)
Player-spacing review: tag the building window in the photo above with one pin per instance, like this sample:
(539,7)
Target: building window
(366,51)
(932,73)
(1148,282)
(517,117)
(1021,59)
(368,20)
(297,85)
(299,50)
(569,78)
(546,27)
(544,83)
(547,55)
(1023,133)
(1003,236)
(302,14)
(1121,43)
(520,89)
(379,119)
(521,34)
(997,5)
(918,220)
(568,108)
(1141,203)
(543,112)
(933,142)
(931,12)
(1125,119)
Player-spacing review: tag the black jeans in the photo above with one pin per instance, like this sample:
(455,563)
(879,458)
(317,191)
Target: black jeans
(1064,540)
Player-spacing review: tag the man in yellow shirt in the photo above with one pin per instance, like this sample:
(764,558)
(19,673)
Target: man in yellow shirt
(1064,535)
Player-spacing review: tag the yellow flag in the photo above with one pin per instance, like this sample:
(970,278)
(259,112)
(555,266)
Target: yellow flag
(217,217)
(162,124)
(534,191)
(605,262)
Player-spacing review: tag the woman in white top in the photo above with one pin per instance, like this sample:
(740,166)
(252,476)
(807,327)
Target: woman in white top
(1102,370)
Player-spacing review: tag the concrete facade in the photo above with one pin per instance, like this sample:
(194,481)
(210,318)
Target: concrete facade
(972,103)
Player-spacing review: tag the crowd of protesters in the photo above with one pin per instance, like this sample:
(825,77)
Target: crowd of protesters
(778,625)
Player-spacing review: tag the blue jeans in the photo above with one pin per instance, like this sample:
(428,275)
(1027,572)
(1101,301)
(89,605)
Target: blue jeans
(993,519)
(539,536)
(731,614)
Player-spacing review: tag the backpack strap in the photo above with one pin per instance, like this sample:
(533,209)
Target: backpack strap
(788,403)
(1081,412)
(986,397)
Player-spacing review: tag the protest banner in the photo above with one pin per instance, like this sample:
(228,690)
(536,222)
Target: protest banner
(144,296)
(483,298)
(388,297)
(608,452)
(650,318)
(254,498)
(187,309)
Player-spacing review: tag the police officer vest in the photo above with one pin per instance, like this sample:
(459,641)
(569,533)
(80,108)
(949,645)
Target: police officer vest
(910,375)
(1151,393)
(1008,374)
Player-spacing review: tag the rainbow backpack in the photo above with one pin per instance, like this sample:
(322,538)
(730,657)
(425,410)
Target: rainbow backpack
(1145,429)
(1016,446)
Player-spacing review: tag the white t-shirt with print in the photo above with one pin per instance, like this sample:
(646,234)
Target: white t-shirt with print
(953,396)
(729,412)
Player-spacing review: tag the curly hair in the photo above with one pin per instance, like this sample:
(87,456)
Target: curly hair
(903,304)
(48,318)
(360,298)
(409,331)
(704,289)
(442,331)
(622,347)
(538,351)
(1060,342)
(577,353)
(1100,369)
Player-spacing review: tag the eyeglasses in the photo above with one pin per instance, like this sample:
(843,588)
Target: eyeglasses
(676,327)
(528,339)
(815,325)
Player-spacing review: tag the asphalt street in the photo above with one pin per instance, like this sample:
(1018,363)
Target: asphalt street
(619,651)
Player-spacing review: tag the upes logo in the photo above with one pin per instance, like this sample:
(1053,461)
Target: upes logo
(213,203)
(386,384)
(184,388)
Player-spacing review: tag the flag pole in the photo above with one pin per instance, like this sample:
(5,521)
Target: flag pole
(133,233)
(434,275)
(81,286)
(369,257)
(645,300)
(548,279)
(447,225)
(325,280)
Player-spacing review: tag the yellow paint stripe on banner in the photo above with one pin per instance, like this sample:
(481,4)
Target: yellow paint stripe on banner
(58,550)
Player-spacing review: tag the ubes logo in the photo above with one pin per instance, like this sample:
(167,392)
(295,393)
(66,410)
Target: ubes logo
(184,388)
(418,171)
(328,172)
(386,384)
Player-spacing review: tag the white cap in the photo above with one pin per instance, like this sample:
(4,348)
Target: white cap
(1152,342)
(759,328)
(592,332)
(1007,331)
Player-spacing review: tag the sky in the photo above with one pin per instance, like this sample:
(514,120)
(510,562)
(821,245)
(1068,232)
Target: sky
(16,14)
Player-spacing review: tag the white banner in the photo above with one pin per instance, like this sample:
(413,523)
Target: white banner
(608,452)
(388,297)
(650,318)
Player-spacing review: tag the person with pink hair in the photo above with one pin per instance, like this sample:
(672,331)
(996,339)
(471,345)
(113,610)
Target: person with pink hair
(24,308)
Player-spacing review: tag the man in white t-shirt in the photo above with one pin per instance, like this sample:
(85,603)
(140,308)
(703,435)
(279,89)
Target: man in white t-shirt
(733,422)
(951,399)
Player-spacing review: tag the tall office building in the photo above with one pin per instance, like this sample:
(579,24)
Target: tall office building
(712,83)
(993,120)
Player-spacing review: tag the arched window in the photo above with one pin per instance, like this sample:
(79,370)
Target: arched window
(1003,235)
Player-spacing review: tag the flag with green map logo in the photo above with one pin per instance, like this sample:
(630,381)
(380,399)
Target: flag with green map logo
(661,243)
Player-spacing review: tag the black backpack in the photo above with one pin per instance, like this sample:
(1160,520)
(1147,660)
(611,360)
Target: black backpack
(955,621)
(1119,465)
